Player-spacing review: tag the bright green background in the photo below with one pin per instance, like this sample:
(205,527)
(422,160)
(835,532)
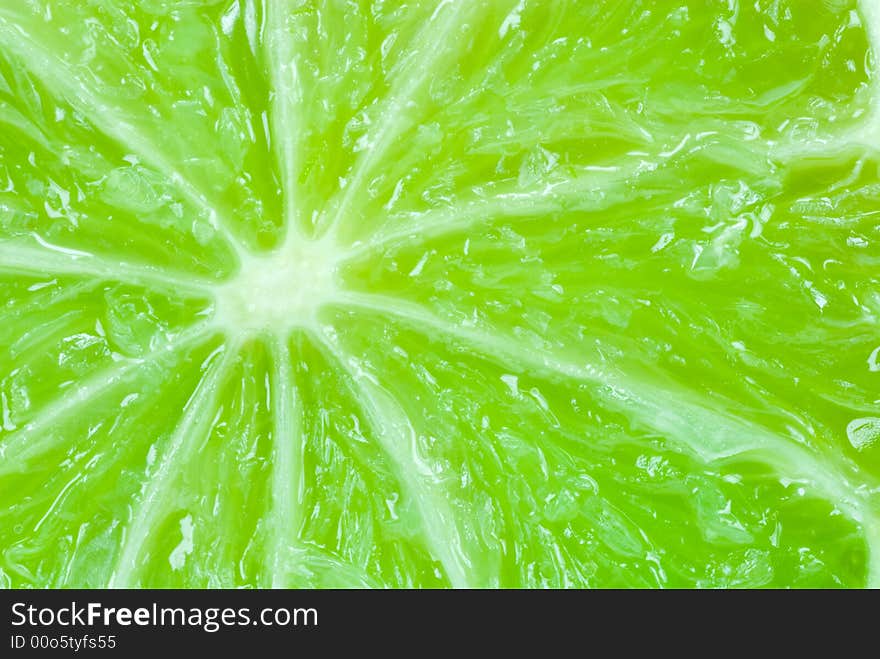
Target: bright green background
(605,303)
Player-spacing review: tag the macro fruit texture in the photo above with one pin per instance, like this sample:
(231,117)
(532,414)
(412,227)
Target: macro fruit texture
(505,293)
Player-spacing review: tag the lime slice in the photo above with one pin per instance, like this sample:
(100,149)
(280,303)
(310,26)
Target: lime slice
(508,293)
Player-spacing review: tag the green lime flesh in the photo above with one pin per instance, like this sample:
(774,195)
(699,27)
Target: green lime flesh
(490,293)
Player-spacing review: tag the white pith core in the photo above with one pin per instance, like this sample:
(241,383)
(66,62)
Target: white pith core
(280,290)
